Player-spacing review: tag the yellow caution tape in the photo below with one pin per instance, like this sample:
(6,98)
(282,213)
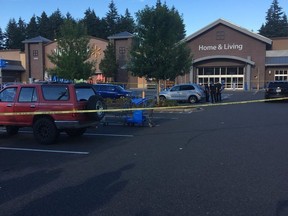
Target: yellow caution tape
(141,108)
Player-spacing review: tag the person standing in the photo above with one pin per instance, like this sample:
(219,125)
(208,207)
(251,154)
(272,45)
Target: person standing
(207,92)
(212,88)
(218,91)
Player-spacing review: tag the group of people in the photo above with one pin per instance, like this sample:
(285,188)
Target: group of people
(213,92)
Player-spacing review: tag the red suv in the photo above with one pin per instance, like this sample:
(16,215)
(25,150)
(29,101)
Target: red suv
(46,102)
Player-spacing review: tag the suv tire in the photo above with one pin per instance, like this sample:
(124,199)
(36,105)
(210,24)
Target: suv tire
(45,131)
(192,99)
(96,102)
(162,98)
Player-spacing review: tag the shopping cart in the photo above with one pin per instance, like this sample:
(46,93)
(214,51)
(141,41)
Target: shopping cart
(141,116)
(132,114)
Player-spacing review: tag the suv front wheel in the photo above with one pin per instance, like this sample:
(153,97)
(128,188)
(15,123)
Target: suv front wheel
(45,131)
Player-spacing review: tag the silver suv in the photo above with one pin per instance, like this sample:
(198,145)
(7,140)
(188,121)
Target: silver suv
(191,92)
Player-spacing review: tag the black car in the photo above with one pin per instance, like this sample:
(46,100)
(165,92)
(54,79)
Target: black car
(276,89)
(112,91)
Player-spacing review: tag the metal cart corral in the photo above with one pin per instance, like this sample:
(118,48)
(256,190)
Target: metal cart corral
(130,116)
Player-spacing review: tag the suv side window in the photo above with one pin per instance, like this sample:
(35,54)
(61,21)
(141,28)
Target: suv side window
(111,88)
(8,95)
(57,92)
(175,88)
(187,87)
(84,93)
(97,87)
(104,88)
(28,94)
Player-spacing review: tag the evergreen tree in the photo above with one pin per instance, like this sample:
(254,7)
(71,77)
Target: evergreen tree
(44,26)
(56,20)
(2,42)
(127,23)
(111,20)
(158,53)
(69,18)
(14,35)
(276,22)
(108,64)
(32,28)
(92,22)
(22,26)
(72,53)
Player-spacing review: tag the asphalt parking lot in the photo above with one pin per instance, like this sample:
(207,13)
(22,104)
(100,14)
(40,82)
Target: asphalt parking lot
(220,161)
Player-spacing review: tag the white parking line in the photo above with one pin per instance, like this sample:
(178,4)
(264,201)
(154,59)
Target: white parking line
(42,150)
(109,135)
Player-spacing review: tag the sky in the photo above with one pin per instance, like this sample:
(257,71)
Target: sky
(197,14)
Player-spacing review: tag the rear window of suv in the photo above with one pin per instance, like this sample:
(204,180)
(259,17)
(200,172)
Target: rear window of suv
(54,92)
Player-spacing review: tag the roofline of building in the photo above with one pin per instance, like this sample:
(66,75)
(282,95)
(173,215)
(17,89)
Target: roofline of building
(119,36)
(233,26)
(90,37)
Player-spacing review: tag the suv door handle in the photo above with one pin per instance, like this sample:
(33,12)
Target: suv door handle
(32,106)
(9,105)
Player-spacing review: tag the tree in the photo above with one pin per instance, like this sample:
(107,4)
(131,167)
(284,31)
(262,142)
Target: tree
(44,26)
(157,52)
(127,23)
(22,26)
(2,42)
(14,35)
(111,20)
(56,20)
(73,52)
(276,22)
(108,64)
(92,23)
(32,28)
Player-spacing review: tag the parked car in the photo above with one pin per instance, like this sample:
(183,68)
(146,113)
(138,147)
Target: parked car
(112,91)
(191,93)
(276,89)
(46,100)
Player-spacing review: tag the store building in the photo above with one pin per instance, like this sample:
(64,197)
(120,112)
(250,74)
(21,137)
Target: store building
(38,64)
(226,53)
(14,68)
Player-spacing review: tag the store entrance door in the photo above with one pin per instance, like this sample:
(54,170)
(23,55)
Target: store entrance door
(230,77)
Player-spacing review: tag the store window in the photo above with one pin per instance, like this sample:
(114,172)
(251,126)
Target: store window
(35,53)
(220,35)
(122,50)
(281,75)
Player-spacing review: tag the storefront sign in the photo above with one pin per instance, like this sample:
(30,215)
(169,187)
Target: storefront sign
(220,47)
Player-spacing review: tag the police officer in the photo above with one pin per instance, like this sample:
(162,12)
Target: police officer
(218,91)
(212,88)
(207,91)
